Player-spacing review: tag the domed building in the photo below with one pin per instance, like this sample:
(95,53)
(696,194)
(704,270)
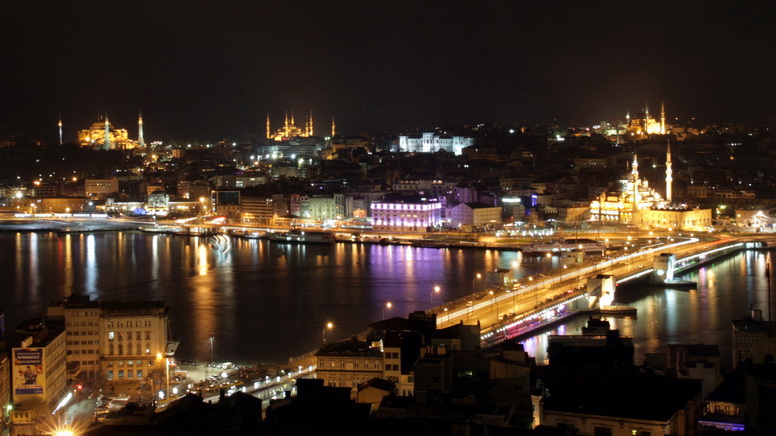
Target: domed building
(102,134)
(634,202)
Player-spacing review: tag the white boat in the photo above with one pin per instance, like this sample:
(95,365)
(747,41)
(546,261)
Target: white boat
(298,236)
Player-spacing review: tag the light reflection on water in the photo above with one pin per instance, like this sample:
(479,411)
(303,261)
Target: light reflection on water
(263,301)
(726,291)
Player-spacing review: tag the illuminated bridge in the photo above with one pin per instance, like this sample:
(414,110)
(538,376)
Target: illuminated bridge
(522,308)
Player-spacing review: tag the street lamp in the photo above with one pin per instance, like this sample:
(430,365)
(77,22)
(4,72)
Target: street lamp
(492,301)
(388,306)
(329,326)
(515,264)
(437,290)
(166,374)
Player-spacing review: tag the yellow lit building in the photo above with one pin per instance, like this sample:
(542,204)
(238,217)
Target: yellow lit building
(290,130)
(636,203)
(643,125)
(95,136)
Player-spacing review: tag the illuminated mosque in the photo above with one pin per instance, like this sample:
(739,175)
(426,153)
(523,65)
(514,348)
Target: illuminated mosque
(290,130)
(104,136)
(636,203)
(644,125)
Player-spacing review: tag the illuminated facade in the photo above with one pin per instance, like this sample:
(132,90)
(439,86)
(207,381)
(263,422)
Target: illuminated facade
(118,341)
(38,372)
(406,216)
(633,195)
(132,337)
(102,134)
(349,363)
(644,125)
(430,142)
(290,130)
(636,203)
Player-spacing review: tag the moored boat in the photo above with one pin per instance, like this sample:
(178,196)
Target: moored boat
(298,236)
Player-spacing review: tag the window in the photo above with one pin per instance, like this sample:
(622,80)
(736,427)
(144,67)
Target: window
(602,431)
(129,373)
(110,374)
(111,335)
(121,373)
(139,373)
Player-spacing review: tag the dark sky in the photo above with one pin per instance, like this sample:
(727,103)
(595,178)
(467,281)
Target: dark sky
(211,70)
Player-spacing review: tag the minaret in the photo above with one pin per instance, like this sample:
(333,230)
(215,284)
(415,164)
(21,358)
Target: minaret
(663,122)
(311,124)
(285,128)
(60,129)
(106,142)
(140,138)
(293,123)
(333,127)
(646,118)
(269,130)
(669,172)
(627,121)
(635,173)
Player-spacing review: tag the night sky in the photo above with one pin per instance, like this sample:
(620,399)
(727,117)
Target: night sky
(212,70)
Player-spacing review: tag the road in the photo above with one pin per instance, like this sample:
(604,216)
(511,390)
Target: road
(524,297)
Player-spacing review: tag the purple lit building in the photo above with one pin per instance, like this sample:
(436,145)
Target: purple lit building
(408,214)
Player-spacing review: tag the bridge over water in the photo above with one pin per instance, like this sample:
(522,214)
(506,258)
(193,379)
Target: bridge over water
(520,309)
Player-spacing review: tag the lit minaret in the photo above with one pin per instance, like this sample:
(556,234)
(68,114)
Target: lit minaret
(106,143)
(293,123)
(140,139)
(663,122)
(669,172)
(635,173)
(333,126)
(310,133)
(60,129)
(286,125)
(269,130)
(646,118)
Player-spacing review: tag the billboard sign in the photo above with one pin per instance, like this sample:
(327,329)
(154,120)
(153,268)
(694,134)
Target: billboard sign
(28,375)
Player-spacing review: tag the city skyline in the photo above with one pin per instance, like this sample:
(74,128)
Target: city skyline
(209,72)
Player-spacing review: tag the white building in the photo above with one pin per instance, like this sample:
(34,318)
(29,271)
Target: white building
(478,215)
(410,215)
(38,374)
(323,207)
(430,142)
